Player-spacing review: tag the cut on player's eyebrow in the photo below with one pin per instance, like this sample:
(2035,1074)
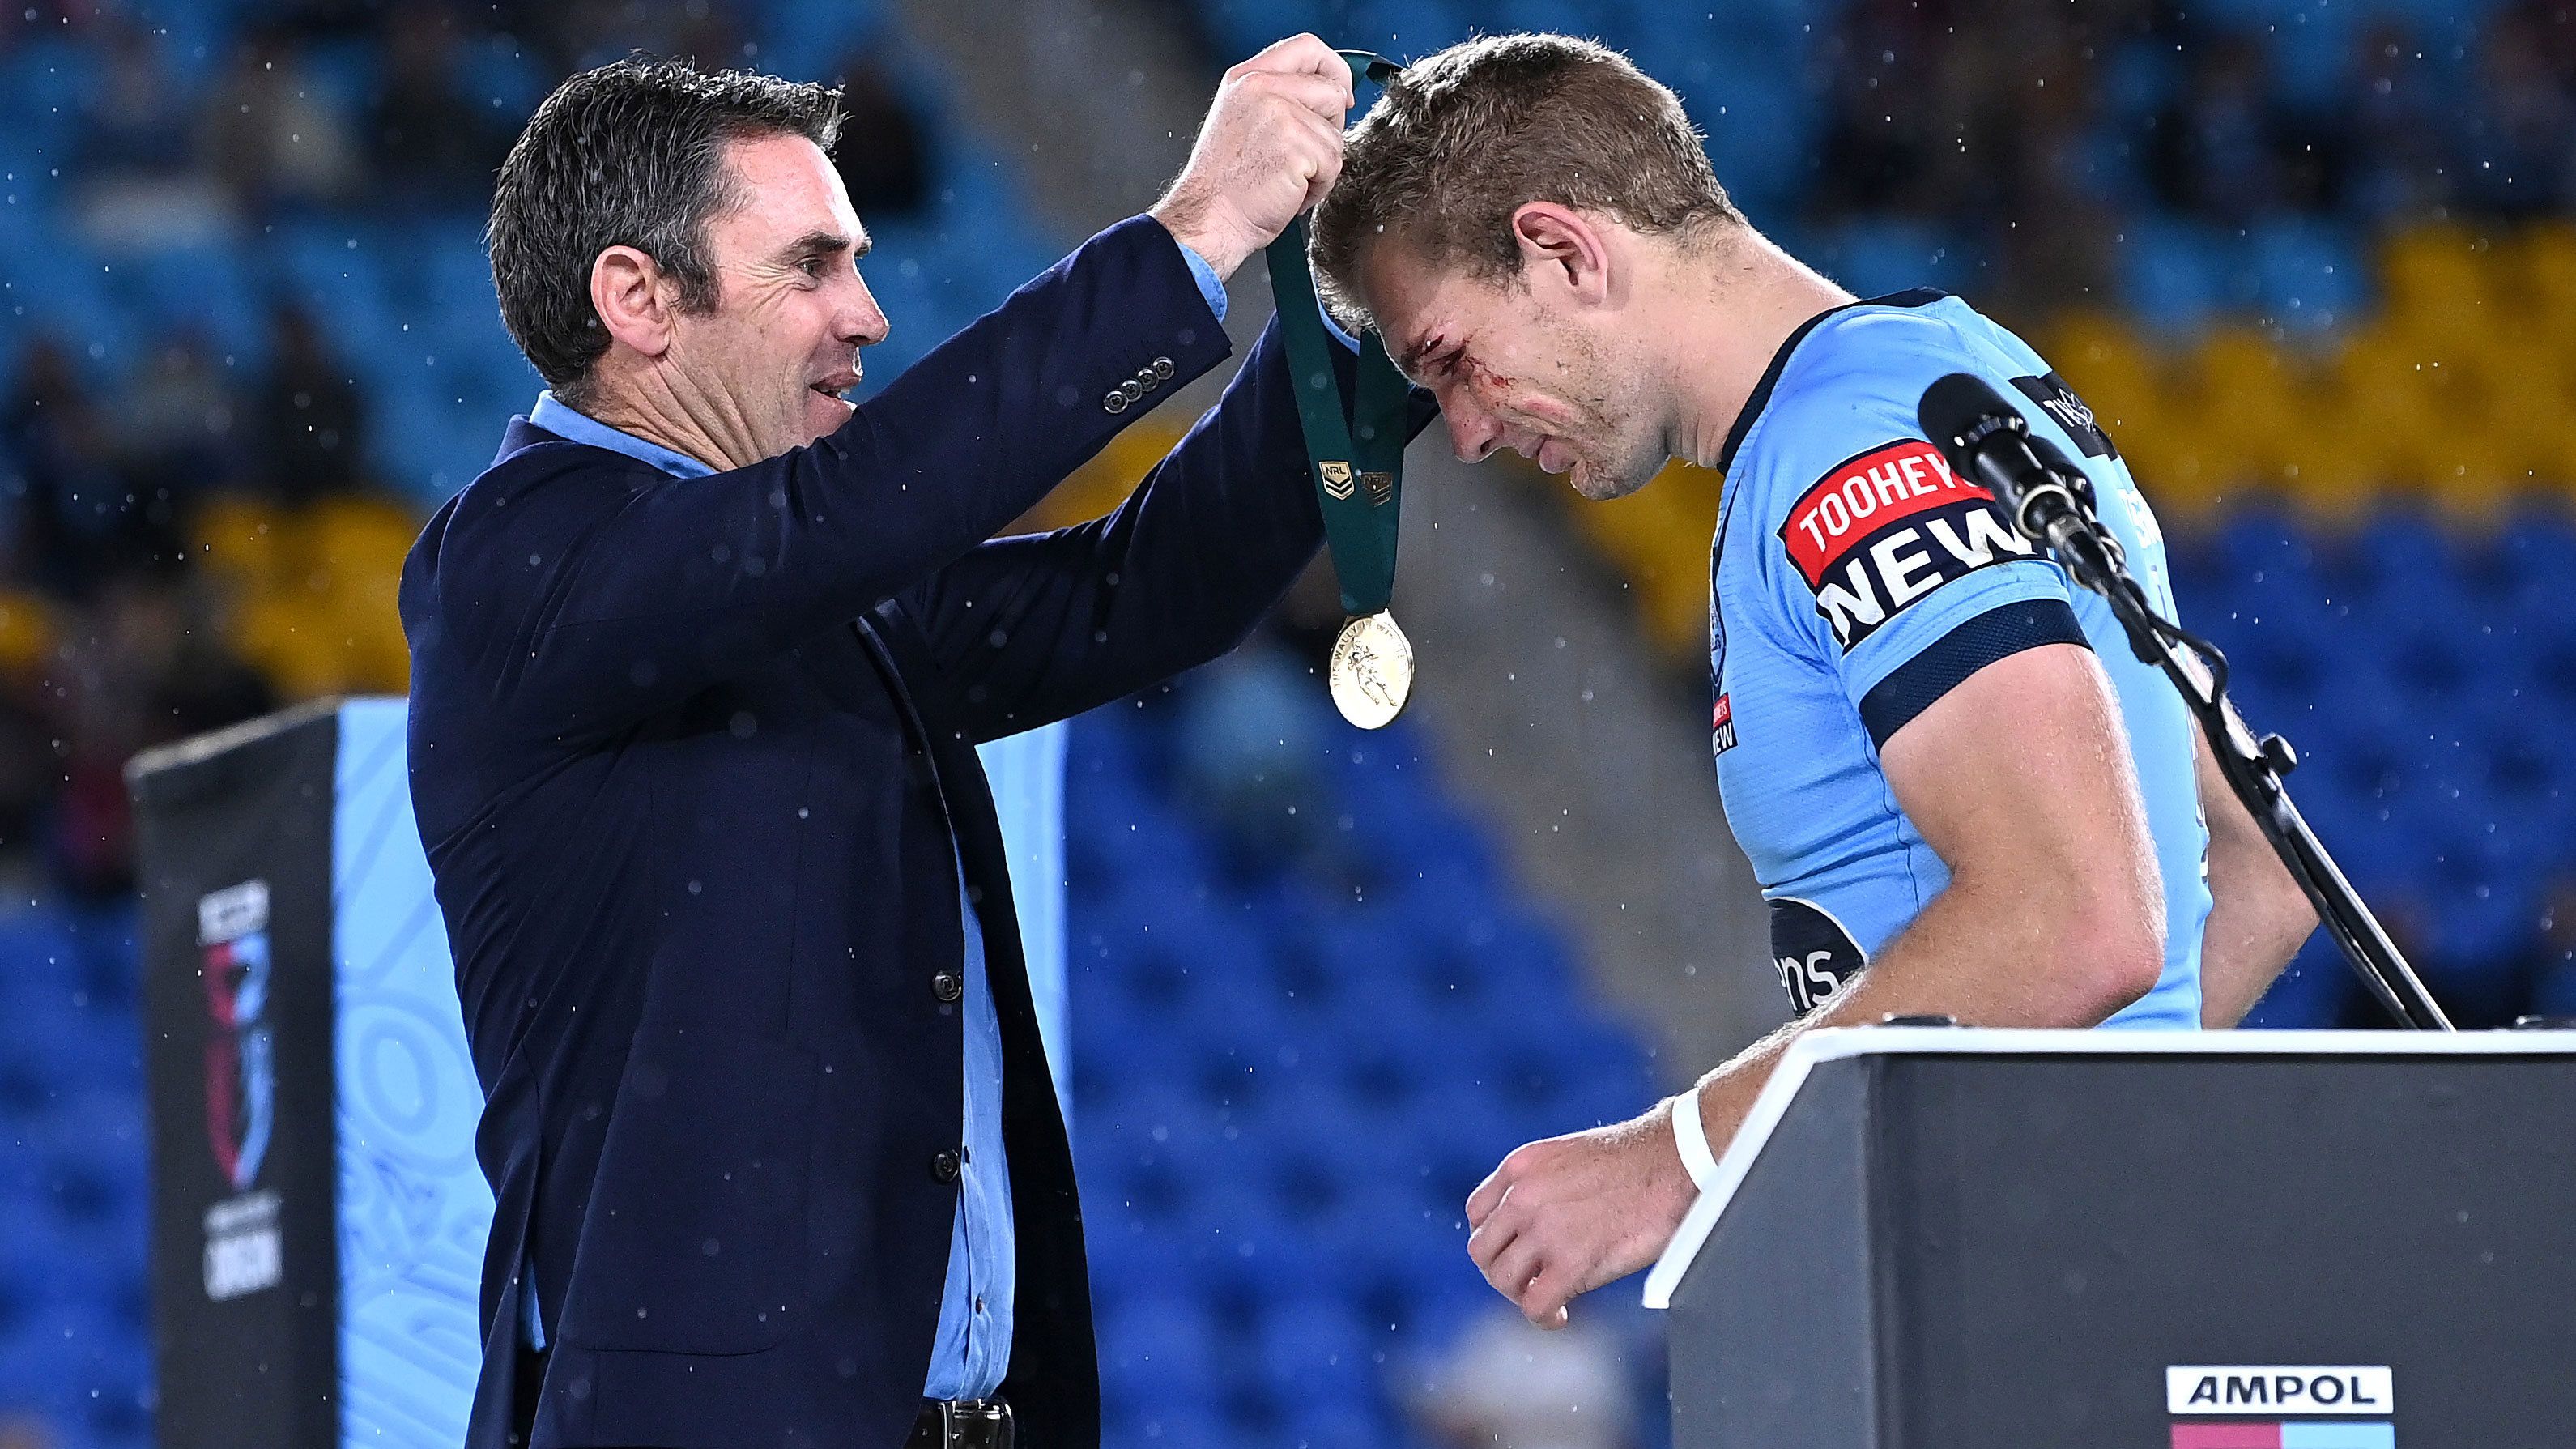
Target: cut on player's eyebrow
(1409,360)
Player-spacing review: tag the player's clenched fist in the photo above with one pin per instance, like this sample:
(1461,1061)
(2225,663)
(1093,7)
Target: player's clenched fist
(1566,1215)
(1270,148)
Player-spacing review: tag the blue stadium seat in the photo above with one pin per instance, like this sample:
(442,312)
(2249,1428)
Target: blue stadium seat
(343,73)
(1166,1419)
(1316,1349)
(2536,546)
(66,294)
(2176,275)
(1876,256)
(1166,1337)
(2313,51)
(2309,275)
(43,85)
(2554,992)
(2317,991)
(206,287)
(498,71)
(1760,117)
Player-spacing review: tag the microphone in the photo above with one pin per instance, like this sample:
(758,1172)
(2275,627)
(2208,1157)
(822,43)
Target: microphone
(2047,497)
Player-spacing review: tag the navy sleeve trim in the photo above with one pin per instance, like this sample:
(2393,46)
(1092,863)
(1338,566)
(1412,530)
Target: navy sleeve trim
(1995,634)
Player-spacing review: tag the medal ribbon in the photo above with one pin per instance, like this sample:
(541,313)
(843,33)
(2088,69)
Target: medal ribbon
(1355,445)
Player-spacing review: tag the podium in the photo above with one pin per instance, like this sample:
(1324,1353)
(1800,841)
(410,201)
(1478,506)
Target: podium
(1945,1238)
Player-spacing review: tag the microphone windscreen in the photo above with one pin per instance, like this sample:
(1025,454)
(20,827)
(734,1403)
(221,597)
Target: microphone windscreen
(1955,409)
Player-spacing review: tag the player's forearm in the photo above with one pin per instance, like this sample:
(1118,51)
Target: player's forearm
(2258,916)
(1983,953)
(2258,920)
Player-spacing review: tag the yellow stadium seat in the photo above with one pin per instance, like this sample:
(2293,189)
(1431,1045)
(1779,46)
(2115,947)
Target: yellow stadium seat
(296,645)
(2526,412)
(1103,483)
(2541,266)
(371,535)
(2434,280)
(1658,539)
(26,632)
(238,538)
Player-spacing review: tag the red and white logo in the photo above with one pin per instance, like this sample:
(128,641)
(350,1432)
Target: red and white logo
(1886,528)
(1721,727)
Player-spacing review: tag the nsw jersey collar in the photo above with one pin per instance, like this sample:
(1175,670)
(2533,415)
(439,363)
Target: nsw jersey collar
(1761,398)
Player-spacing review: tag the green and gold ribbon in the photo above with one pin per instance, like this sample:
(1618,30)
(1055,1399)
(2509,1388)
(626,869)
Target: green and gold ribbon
(1355,445)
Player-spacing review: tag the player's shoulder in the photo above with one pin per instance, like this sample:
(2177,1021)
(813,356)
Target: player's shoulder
(1875,357)
(1848,386)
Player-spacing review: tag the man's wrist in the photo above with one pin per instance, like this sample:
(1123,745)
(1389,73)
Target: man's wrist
(1197,228)
(1211,286)
(1690,1139)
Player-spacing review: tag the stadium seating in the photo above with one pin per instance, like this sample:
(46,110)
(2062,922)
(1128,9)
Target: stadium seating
(1286,1085)
(1288,1071)
(74,1306)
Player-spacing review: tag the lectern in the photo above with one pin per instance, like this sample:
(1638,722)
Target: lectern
(1943,1238)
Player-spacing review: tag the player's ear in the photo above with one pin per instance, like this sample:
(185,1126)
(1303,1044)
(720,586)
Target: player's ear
(628,291)
(1563,250)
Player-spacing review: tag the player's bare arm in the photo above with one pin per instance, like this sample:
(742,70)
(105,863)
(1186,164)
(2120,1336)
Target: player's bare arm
(2258,916)
(2020,778)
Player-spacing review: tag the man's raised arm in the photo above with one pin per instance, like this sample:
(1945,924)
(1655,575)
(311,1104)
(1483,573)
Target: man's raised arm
(598,593)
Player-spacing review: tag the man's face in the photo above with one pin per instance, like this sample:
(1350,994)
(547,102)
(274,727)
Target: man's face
(1512,369)
(782,342)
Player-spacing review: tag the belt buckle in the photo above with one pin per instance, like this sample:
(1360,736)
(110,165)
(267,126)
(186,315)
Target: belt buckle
(974,1424)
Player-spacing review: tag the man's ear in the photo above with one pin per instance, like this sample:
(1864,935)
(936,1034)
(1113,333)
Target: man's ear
(627,290)
(1562,249)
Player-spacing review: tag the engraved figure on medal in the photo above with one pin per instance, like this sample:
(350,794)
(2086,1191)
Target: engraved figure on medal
(1371,676)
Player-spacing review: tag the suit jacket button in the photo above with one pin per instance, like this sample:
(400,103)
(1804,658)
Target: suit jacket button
(1162,369)
(1131,389)
(947,986)
(943,1166)
(1116,402)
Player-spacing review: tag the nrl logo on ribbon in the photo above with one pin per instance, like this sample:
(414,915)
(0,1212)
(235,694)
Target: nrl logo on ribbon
(1337,478)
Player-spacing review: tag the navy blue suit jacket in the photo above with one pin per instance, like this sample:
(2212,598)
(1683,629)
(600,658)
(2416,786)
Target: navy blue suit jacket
(689,757)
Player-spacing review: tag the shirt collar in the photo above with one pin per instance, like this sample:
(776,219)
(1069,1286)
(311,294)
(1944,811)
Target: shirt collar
(574,426)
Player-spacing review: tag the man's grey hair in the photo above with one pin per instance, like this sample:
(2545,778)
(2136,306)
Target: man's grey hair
(629,154)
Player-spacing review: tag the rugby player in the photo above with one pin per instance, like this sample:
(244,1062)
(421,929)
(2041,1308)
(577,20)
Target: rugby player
(1960,792)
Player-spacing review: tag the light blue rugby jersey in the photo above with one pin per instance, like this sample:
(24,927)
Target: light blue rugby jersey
(1855,580)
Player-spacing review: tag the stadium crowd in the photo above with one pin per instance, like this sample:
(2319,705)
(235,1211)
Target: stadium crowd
(208,477)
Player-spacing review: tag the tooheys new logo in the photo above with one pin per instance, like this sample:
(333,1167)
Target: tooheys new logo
(1886,528)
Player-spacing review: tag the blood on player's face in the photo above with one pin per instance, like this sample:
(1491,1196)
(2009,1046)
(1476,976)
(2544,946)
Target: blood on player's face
(1509,374)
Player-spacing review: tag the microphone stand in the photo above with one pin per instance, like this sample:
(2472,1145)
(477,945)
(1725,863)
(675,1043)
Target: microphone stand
(2061,518)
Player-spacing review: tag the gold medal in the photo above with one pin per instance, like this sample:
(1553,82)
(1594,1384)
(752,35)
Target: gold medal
(1372,671)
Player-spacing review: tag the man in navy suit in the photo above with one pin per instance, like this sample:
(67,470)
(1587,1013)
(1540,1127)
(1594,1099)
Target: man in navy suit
(698,669)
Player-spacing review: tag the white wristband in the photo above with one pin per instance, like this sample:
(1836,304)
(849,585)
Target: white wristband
(1692,1139)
